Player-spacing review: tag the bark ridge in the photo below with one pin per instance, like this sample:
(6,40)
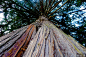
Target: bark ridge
(48,41)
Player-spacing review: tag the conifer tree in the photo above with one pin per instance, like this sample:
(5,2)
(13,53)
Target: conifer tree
(41,38)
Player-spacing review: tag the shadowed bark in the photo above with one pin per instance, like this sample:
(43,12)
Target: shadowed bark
(40,39)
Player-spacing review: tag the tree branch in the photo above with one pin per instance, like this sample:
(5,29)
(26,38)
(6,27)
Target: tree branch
(55,6)
(46,5)
(59,7)
(47,11)
(51,5)
(25,10)
(19,5)
(41,4)
(67,13)
(49,2)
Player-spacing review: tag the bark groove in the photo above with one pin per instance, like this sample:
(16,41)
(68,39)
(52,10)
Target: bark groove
(48,41)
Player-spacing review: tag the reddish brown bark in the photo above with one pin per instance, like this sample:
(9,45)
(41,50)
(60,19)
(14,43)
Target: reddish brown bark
(48,41)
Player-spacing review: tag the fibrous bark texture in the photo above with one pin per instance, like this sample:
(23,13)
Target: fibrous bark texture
(46,41)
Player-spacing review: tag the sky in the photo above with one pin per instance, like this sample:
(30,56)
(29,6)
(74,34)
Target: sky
(1,16)
(79,19)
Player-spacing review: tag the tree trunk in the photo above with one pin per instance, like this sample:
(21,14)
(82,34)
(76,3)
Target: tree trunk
(40,39)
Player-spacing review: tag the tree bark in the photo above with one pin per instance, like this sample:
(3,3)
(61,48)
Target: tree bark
(40,39)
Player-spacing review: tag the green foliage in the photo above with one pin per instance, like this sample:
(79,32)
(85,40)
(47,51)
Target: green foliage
(79,2)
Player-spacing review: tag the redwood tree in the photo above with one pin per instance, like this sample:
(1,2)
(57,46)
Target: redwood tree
(41,38)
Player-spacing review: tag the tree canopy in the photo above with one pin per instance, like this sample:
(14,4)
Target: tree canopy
(62,13)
